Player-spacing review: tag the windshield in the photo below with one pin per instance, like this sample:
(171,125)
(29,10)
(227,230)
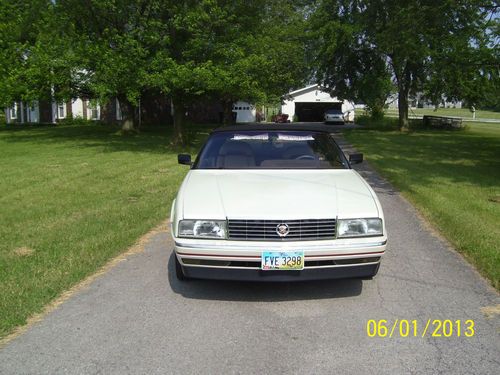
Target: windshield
(271,150)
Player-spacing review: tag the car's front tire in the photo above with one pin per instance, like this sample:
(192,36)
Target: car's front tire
(179,273)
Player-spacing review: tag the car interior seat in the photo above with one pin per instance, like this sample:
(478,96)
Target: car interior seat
(235,154)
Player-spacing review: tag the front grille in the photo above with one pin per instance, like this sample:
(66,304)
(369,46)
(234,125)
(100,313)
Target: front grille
(265,230)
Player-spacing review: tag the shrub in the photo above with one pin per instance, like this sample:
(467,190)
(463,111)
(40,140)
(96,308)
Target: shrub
(383,123)
(76,121)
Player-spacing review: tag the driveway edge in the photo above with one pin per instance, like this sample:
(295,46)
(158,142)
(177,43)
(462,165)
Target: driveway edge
(348,147)
(137,248)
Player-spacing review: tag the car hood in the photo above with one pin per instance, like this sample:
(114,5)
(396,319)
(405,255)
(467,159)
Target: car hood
(276,194)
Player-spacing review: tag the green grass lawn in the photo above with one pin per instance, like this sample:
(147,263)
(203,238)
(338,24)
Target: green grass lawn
(452,177)
(454,112)
(72,197)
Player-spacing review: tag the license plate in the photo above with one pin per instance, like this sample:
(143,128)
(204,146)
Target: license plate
(282,260)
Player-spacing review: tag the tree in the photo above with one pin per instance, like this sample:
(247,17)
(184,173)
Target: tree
(115,43)
(263,55)
(412,43)
(228,50)
(187,68)
(25,67)
(187,50)
(346,66)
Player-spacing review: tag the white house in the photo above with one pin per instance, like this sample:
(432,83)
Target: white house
(23,112)
(51,112)
(245,112)
(310,103)
(86,109)
(418,100)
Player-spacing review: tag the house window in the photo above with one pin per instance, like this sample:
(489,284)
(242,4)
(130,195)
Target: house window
(119,115)
(93,111)
(13,111)
(61,110)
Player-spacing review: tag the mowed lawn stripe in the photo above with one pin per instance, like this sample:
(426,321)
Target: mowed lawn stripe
(72,197)
(453,177)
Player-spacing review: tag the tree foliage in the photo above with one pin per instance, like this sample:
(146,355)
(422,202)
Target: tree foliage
(220,49)
(439,47)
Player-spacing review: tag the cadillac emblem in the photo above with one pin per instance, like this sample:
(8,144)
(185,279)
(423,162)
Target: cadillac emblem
(282,229)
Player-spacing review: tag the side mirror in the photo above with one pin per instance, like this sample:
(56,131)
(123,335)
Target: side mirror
(355,158)
(184,159)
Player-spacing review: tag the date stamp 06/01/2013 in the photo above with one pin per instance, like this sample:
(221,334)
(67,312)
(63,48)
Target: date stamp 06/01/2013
(416,328)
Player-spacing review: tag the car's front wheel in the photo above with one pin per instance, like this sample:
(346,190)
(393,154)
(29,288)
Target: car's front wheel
(179,273)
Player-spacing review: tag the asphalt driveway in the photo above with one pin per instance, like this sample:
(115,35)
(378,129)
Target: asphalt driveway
(138,318)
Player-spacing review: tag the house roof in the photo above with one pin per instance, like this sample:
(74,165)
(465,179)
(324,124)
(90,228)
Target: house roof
(304,89)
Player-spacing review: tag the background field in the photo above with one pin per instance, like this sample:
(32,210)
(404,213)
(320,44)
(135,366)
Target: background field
(452,177)
(455,112)
(71,198)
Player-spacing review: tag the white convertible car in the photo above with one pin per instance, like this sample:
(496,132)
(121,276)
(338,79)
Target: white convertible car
(275,203)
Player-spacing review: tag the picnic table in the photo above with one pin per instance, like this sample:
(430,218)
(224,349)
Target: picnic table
(443,122)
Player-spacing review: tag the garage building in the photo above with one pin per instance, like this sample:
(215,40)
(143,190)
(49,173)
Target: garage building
(310,103)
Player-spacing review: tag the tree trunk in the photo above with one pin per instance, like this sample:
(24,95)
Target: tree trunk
(403,108)
(128,114)
(69,109)
(228,112)
(404,84)
(403,80)
(179,120)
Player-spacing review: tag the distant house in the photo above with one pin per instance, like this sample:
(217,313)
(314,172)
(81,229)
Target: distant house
(52,112)
(22,112)
(310,103)
(245,112)
(419,101)
(152,109)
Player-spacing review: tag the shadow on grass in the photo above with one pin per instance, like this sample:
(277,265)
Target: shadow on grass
(104,138)
(262,291)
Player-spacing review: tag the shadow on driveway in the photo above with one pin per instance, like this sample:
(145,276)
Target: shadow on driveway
(262,291)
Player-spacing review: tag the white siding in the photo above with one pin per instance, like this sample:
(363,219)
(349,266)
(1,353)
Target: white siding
(119,115)
(245,112)
(93,111)
(33,112)
(77,108)
(23,112)
(11,114)
(348,110)
(314,94)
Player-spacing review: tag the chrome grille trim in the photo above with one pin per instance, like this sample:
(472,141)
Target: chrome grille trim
(265,230)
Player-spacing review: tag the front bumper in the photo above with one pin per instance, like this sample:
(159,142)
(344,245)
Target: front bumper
(240,260)
(368,270)
(334,120)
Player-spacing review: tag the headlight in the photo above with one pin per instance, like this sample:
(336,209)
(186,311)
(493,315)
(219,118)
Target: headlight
(202,228)
(359,227)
